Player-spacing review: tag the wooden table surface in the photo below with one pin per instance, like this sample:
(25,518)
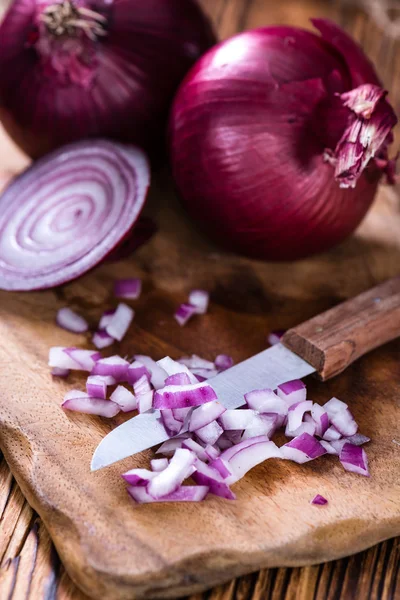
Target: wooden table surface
(29,566)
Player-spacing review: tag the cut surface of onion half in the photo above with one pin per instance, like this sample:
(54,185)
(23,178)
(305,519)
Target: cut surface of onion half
(68,211)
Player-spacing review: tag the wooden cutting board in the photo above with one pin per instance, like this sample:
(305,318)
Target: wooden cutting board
(113,549)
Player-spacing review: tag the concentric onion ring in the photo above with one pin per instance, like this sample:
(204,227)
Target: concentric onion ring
(68,211)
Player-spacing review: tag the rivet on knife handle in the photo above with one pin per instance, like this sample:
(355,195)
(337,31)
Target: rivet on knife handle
(336,338)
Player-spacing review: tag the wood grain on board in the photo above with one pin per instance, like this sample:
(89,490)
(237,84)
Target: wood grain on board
(114,550)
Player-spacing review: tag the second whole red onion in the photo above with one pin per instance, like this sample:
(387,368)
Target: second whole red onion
(278,139)
(108,68)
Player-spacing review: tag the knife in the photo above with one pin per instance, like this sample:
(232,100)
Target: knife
(325,345)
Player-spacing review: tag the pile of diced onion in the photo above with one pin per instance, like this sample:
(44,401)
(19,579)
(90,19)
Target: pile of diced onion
(212,446)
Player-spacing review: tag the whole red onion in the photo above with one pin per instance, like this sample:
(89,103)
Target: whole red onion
(272,137)
(82,68)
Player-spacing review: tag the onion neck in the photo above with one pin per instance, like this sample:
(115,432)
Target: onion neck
(66,37)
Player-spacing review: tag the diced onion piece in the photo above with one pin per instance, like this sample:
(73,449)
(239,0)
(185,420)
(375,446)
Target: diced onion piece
(106,318)
(74,394)
(57,372)
(96,387)
(135,371)
(128,288)
(168,480)
(174,396)
(139,477)
(227,454)
(205,414)
(212,452)
(238,419)
(275,337)
(266,401)
(248,456)
(206,475)
(181,414)
(199,299)
(358,439)
(169,447)
(145,402)
(328,447)
(223,362)
(178,379)
(210,433)
(173,367)
(332,434)
(341,417)
(114,366)
(261,425)
(172,425)
(222,466)
(62,360)
(195,362)
(184,312)
(195,447)
(101,339)
(321,419)
(319,500)
(302,448)
(92,406)
(354,459)
(120,322)
(71,321)
(124,398)
(305,427)
(184,493)
(292,392)
(86,359)
(157,374)
(296,413)
(159,464)
(144,394)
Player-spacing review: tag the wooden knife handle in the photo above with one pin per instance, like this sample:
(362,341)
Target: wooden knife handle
(336,338)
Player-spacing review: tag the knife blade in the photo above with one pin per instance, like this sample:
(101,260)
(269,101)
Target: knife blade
(268,369)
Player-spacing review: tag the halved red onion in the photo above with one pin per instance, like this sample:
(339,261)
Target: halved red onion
(139,477)
(120,321)
(210,433)
(124,398)
(129,289)
(292,392)
(172,425)
(173,367)
(114,366)
(184,312)
(205,414)
(184,493)
(264,424)
(199,299)
(248,456)
(157,374)
(178,379)
(341,417)
(159,464)
(106,318)
(321,419)
(168,480)
(92,406)
(354,459)
(174,396)
(96,387)
(168,448)
(275,336)
(68,211)
(296,413)
(101,339)
(196,362)
(331,434)
(57,372)
(135,371)
(266,401)
(195,447)
(319,500)
(206,475)
(71,321)
(223,362)
(302,448)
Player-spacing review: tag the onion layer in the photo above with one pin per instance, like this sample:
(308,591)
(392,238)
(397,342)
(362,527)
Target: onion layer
(68,211)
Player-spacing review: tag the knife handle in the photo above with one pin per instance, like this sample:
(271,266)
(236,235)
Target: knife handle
(336,338)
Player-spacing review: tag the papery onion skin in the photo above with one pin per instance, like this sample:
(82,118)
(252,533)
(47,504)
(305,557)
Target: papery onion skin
(119,85)
(253,131)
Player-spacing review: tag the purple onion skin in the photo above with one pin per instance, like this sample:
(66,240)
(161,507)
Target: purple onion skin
(248,131)
(133,74)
